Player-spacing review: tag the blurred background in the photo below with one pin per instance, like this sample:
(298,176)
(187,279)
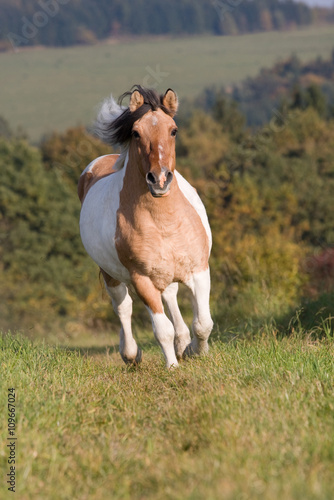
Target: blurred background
(255,80)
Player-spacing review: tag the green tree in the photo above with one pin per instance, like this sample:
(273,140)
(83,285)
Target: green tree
(86,21)
(45,272)
(269,201)
(225,112)
(68,153)
(316,99)
(5,130)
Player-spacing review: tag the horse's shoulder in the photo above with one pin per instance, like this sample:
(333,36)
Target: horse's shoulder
(96,170)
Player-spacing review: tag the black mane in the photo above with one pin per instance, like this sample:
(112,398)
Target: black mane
(121,129)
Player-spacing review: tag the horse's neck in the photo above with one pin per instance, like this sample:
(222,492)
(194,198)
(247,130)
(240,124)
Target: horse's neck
(135,196)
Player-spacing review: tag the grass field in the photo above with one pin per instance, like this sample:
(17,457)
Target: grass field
(254,419)
(47,89)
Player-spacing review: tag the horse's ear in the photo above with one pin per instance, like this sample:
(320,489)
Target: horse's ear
(136,100)
(170,101)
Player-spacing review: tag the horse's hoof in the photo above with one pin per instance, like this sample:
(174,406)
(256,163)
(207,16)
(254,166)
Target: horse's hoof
(139,356)
(189,351)
(180,348)
(133,361)
(196,347)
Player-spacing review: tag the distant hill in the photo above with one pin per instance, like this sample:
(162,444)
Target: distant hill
(65,22)
(288,83)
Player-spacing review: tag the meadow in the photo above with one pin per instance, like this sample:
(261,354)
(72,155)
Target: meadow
(253,419)
(51,89)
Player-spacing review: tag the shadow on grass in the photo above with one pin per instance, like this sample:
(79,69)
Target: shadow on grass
(106,349)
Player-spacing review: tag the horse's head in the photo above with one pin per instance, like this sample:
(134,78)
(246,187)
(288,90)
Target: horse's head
(152,143)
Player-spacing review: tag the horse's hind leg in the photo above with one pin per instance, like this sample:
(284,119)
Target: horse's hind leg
(182,336)
(202,325)
(122,304)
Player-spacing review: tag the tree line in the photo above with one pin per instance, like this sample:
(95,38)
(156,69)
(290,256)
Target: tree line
(288,84)
(68,22)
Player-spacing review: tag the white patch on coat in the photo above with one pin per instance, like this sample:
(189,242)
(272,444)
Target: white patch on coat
(154,121)
(90,167)
(191,195)
(161,151)
(98,222)
(119,164)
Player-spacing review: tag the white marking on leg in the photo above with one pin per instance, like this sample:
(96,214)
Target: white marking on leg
(182,336)
(199,285)
(164,333)
(122,304)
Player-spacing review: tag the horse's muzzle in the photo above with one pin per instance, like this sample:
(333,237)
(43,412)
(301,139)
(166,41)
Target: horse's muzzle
(159,185)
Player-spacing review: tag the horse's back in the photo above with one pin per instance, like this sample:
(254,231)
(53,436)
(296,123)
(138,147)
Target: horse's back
(98,169)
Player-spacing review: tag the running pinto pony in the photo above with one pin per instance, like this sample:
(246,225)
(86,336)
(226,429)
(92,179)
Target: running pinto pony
(144,225)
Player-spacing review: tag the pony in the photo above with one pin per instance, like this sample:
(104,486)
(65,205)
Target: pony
(145,226)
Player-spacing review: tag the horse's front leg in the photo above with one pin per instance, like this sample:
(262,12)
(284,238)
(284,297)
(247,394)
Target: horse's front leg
(162,327)
(182,336)
(122,304)
(199,285)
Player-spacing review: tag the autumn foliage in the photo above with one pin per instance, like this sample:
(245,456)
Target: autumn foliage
(268,194)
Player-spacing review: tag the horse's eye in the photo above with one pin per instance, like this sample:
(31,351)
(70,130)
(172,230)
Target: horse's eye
(136,134)
(174,132)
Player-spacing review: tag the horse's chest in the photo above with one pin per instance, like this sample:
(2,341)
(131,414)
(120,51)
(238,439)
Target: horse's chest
(164,252)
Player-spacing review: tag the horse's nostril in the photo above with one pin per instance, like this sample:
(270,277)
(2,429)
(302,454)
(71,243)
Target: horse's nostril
(169,177)
(150,178)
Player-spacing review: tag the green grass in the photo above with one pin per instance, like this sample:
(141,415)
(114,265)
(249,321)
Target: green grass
(48,89)
(254,419)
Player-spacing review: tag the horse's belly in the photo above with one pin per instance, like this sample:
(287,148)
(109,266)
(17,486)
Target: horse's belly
(170,268)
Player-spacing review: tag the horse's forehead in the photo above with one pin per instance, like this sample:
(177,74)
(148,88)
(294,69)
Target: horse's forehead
(155,121)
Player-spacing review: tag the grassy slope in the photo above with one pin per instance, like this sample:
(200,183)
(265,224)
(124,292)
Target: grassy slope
(51,89)
(254,419)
